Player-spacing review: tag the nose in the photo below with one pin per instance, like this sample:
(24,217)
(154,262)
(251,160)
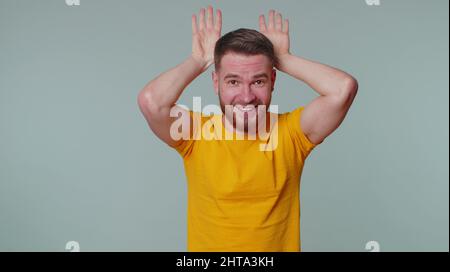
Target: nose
(247,95)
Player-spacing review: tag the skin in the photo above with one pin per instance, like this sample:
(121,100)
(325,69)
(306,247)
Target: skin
(322,116)
(244,80)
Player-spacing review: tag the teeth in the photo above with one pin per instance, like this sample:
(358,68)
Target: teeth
(246,108)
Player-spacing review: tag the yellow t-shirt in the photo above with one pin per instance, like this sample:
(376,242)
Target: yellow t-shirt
(239,197)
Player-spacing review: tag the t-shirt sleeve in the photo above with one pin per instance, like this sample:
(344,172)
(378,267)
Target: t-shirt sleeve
(301,141)
(184,147)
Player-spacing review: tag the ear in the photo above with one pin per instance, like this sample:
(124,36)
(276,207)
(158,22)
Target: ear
(274,77)
(215,79)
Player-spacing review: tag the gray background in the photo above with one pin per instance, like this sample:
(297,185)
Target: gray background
(78,162)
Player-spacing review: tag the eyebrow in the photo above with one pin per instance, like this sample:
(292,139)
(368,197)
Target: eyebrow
(255,76)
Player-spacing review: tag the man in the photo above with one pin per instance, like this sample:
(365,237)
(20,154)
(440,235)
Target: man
(242,197)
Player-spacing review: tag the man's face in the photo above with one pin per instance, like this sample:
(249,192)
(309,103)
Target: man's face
(245,82)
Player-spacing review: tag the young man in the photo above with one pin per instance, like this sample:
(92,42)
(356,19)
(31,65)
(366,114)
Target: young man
(242,197)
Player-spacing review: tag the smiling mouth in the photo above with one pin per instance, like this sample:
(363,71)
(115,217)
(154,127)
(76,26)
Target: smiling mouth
(245,108)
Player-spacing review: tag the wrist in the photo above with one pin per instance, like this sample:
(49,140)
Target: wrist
(200,63)
(282,60)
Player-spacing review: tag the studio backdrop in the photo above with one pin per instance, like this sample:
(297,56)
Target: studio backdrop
(80,168)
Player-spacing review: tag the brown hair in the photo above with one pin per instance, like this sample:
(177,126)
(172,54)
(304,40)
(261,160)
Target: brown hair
(244,41)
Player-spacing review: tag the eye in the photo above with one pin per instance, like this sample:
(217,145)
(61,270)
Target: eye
(259,82)
(233,82)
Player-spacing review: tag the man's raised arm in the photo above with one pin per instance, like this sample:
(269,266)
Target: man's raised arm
(159,95)
(337,89)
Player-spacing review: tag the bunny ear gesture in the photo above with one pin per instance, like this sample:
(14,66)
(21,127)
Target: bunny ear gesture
(277,31)
(275,23)
(205,35)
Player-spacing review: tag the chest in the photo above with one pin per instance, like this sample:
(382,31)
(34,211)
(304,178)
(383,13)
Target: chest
(240,170)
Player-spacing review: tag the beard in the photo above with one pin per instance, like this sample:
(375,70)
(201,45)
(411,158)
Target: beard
(245,117)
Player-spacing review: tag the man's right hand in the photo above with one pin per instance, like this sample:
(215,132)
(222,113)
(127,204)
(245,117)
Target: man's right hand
(205,35)
(160,95)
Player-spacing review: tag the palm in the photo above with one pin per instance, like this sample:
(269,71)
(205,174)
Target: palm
(205,35)
(276,31)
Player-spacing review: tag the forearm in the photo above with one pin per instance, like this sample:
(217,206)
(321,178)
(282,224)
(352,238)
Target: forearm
(324,79)
(164,90)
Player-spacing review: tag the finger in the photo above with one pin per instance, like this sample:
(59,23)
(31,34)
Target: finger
(201,23)
(286,26)
(194,24)
(278,21)
(218,24)
(262,23)
(209,21)
(271,25)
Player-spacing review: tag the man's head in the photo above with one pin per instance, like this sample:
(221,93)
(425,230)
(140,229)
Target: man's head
(244,75)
